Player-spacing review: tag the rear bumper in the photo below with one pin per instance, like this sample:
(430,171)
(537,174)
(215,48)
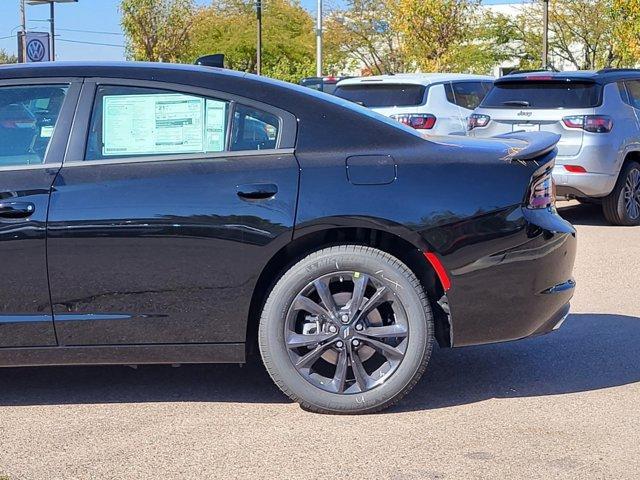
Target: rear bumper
(521,290)
(582,184)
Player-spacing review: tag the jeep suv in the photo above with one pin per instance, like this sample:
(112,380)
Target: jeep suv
(432,103)
(597,115)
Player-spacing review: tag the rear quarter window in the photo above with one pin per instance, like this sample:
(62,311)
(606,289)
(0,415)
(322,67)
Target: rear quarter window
(383,94)
(466,94)
(543,94)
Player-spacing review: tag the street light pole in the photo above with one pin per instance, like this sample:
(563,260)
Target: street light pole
(319,40)
(545,34)
(259,46)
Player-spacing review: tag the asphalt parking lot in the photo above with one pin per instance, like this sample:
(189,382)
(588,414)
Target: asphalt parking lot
(566,405)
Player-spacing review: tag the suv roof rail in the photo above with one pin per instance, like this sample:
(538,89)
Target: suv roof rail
(611,69)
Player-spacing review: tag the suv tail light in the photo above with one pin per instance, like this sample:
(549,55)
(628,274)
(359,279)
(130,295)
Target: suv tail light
(477,120)
(418,121)
(590,123)
(543,191)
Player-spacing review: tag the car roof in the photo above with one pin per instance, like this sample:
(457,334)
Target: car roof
(604,76)
(106,69)
(414,78)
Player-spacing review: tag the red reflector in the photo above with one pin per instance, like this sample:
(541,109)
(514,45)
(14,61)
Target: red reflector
(575,169)
(440,270)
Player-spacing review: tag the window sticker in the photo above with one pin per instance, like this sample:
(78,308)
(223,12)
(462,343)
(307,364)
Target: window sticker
(153,124)
(216,115)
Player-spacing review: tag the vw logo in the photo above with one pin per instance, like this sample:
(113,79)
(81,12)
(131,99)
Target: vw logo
(35,50)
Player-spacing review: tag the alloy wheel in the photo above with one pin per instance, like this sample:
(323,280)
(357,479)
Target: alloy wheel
(631,194)
(346,332)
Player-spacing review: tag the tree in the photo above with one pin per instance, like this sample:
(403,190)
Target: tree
(439,35)
(229,27)
(7,57)
(626,14)
(365,33)
(157,30)
(582,35)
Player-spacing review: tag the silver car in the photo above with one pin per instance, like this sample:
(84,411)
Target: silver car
(432,103)
(597,116)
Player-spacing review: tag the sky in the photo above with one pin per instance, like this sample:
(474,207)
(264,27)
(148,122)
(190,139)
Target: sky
(94,22)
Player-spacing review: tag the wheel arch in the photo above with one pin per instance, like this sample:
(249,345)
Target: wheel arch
(316,237)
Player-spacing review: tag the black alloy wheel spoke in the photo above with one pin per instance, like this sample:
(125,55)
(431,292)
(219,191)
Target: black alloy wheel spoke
(326,297)
(359,287)
(384,349)
(388,331)
(297,340)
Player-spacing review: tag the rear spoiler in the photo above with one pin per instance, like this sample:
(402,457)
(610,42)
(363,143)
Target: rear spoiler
(535,145)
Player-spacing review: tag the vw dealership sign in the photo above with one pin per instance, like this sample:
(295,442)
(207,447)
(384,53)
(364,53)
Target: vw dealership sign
(36,47)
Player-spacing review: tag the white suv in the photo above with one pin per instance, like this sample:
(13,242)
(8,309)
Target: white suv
(434,103)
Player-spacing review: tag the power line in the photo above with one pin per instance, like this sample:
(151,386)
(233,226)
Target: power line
(120,34)
(91,43)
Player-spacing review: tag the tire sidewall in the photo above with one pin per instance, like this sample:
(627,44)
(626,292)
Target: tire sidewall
(621,216)
(272,327)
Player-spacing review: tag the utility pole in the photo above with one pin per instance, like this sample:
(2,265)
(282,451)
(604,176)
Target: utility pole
(52,19)
(319,40)
(259,46)
(23,31)
(545,34)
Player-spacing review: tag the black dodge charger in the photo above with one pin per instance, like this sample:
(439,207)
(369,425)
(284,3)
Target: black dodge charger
(156,213)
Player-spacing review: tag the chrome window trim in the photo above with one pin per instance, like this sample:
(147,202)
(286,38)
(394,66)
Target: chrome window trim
(177,158)
(78,139)
(39,166)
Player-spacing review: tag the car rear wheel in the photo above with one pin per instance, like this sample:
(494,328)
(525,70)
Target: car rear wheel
(622,206)
(347,329)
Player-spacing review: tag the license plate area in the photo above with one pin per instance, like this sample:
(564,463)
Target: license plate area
(526,127)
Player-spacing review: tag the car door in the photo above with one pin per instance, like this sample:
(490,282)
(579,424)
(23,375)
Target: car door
(170,202)
(35,118)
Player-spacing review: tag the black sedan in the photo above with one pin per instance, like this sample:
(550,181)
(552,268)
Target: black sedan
(156,213)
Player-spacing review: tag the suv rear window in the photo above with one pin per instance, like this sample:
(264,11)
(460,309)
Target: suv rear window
(545,94)
(382,94)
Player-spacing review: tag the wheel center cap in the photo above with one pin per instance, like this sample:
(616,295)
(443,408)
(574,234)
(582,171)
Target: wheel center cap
(346,332)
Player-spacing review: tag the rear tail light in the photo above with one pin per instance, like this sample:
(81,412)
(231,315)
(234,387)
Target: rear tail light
(418,121)
(590,123)
(543,191)
(477,120)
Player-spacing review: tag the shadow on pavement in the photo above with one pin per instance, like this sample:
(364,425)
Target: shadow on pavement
(590,352)
(583,214)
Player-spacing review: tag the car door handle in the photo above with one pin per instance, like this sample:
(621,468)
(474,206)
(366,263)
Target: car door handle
(257,191)
(16,209)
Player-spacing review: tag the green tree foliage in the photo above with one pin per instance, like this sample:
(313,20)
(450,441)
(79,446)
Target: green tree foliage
(230,26)
(7,58)
(365,33)
(585,34)
(157,30)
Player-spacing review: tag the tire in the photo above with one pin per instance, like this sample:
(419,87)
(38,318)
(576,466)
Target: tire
(622,206)
(361,386)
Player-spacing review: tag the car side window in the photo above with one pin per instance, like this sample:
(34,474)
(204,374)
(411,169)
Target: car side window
(465,94)
(135,121)
(633,93)
(254,129)
(28,116)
